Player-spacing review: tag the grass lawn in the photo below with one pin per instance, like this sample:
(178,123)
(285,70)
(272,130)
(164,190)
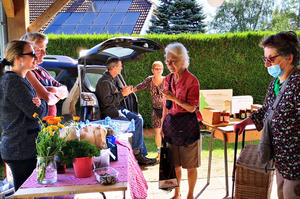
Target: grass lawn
(218,148)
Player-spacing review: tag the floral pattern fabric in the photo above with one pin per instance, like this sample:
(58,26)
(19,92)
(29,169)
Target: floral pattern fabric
(157,98)
(285,126)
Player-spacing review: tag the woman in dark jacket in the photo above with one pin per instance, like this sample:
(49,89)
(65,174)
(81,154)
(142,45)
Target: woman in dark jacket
(281,58)
(18,103)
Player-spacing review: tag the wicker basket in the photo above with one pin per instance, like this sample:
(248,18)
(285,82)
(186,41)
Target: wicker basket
(251,179)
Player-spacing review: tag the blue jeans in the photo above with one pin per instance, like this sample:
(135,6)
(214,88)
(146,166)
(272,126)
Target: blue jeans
(138,135)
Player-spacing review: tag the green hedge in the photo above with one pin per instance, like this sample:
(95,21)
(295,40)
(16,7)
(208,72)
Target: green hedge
(219,61)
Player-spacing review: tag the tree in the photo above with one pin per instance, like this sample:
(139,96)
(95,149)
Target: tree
(286,16)
(242,15)
(160,22)
(178,16)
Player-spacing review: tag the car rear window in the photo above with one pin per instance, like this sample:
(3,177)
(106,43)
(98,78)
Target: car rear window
(93,79)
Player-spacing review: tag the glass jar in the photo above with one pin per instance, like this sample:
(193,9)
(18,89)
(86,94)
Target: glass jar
(46,170)
(242,114)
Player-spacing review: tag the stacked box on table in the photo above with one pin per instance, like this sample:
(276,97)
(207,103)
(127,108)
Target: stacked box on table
(252,180)
(211,116)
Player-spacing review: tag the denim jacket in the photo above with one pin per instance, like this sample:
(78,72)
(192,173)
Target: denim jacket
(19,128)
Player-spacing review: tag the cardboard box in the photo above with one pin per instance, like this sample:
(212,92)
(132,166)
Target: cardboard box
(211,116)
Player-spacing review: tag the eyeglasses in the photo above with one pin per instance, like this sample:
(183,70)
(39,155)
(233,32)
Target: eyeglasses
(32,54)
(269,59)
(38,49)
(171,62)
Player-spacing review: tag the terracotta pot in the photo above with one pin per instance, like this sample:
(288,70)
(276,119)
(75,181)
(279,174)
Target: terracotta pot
(83,167)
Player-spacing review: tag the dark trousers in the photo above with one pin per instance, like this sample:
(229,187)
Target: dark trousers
(21,170)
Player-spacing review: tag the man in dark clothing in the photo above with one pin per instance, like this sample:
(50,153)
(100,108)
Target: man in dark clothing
(110,97)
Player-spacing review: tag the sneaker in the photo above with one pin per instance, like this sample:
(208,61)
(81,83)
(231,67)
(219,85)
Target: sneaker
(142,160)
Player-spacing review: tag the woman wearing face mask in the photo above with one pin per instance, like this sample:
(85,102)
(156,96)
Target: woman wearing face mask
(281,57)
(18,103)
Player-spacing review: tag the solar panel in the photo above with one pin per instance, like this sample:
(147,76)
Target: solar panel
(131,18)
(82,29)
(117,19)
(109,6)
(52,29)
(96,29)
(88,18)
(67,29)
(126,29)
(74,18)
(102,18)
(111,29)
(60,18)
(123,6)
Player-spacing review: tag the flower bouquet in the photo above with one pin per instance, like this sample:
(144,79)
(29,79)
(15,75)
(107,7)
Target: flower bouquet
(48,144)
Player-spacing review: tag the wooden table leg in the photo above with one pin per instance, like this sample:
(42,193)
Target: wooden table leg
(225,163)
(124,194)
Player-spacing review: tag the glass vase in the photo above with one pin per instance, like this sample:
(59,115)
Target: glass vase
(46,170)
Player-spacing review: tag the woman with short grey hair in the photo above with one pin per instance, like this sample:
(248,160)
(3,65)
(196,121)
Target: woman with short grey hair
(179,51)
(180,115)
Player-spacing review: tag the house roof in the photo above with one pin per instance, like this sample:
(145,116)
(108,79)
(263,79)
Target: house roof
(94,16)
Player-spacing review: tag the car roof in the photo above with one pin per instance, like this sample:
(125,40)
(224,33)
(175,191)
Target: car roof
(125,48)
(59,61)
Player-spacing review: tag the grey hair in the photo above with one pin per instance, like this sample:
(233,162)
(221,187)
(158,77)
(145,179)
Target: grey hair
(178,50)
(112,62)
(34,37)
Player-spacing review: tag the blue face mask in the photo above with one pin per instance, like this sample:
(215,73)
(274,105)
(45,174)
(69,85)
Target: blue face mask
(275,70)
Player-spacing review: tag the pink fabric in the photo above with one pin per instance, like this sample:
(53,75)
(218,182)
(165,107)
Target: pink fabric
(137,182)
(127,166)
(52,110)
(69,179)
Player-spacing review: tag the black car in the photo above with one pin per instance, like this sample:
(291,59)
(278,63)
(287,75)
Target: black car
(82,75)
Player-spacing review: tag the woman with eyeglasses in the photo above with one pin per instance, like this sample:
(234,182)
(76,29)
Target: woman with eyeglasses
(18,103)
(180,116)
(46,86)
(155,84)
(282,121)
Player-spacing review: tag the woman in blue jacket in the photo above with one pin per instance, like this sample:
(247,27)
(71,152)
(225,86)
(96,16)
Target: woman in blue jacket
(18,103)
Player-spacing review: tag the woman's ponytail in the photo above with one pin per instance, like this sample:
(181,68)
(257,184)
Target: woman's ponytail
(4,63)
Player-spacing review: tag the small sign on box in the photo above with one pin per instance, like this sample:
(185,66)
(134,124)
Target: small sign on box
(211,116)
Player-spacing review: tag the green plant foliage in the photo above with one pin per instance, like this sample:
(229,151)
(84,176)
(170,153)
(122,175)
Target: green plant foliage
(178,16)
(77,149)
(219,61)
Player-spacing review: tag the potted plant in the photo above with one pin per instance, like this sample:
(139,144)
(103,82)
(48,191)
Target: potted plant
(80,153)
